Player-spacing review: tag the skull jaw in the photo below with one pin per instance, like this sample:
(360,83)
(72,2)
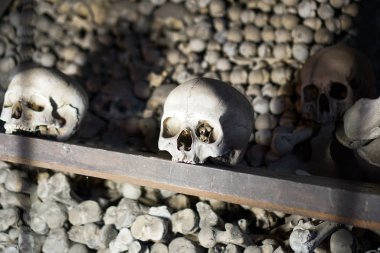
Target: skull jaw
(34,130)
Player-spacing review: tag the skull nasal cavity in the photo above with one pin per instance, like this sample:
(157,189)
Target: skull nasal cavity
(184,140)
(16,111)
(323,104)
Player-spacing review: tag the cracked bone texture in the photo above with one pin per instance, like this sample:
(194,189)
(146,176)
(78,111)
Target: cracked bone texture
(124,59)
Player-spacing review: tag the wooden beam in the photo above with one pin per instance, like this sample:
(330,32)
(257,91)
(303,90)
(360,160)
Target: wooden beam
(323,198)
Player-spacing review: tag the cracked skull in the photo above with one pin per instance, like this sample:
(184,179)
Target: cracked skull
(45,102)
(206,118)
(331,80)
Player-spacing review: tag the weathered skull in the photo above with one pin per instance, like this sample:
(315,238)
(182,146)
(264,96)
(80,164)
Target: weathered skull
(45,102)
(331,80)
(205,118)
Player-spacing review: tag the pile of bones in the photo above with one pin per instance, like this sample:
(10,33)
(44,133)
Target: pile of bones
(286,64)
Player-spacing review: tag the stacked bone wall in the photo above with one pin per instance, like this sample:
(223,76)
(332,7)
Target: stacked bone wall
(129,54)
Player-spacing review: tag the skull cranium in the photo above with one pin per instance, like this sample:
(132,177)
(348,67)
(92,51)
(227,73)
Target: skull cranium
(332,80)
(206,118)
(43,101)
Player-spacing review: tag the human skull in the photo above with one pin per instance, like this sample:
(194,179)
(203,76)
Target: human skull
(205,118)
(332,80)
(45,102)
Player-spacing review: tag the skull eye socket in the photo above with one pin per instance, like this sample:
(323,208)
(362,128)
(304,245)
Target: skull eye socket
(338,91)
(310,93)
(35,107)
(205,132)
(171,127)
(36,103)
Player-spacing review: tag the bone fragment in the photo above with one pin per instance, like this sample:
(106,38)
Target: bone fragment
(137,247)
(260,104)
(93,236)
(110,215)
(55,188)
(229,248)
(283,143)
(127,211)
(305,237)
(149,228)
(11,199)
(121,242)
(47,215)
(160,211)
(129,191)
(264,219)
(342,241)
(29,242)
(182,244)
(78,248)
(159,248)
(209,236)
(208,218)
(252,249)
(15,183)
(360,122)
(185,221)
(56,242)
(11,249)
(86,212)
(8,218)
(178,202)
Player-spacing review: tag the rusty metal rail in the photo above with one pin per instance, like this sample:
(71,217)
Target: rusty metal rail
(323,198)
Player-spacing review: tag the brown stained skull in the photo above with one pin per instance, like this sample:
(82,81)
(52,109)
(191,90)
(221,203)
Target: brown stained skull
(332,80)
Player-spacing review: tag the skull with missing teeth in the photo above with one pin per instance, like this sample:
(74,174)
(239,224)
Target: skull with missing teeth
(206,118)
(43,101)
(331,80)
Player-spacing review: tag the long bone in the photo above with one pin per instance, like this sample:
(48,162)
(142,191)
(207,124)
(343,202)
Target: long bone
(305,237)
(209,236)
